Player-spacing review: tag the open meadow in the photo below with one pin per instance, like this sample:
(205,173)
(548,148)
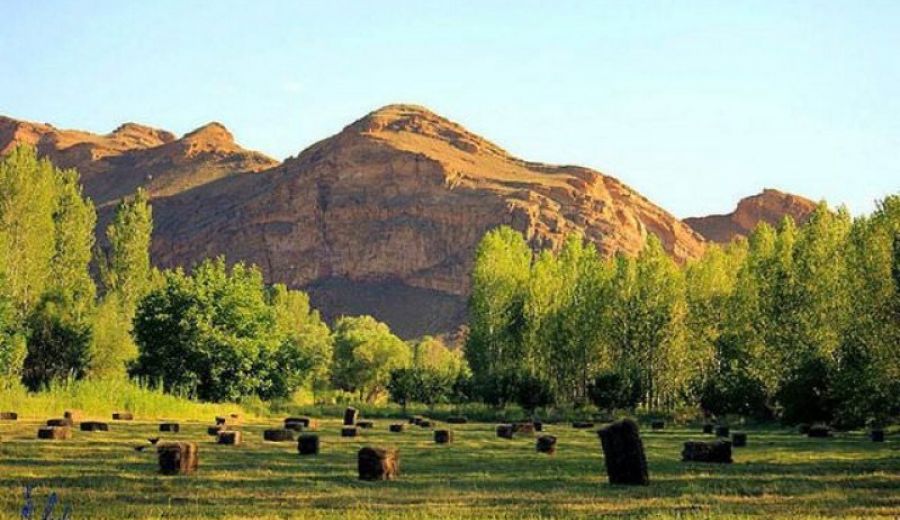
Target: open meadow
(780,474)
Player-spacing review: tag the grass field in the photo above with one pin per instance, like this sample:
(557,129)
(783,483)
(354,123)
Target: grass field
(779,474)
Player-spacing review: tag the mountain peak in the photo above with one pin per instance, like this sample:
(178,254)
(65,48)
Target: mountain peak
(770,205)
(211,133)
(411,127)
(142,135)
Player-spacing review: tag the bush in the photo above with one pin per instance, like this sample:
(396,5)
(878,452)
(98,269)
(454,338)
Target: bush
(805,394)
(58,344)
(533,392)
(734,393)
(220,335)
(616,389)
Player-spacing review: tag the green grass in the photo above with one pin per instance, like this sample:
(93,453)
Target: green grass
(101,398)
(780,475)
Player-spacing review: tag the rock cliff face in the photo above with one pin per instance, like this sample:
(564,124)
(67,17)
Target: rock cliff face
(770,206)
(383,217)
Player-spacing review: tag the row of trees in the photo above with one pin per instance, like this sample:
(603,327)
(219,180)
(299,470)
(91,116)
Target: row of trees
(53,323)
(802,322)
(216,333)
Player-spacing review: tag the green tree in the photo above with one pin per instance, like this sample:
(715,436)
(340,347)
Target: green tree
(216,335)
(74,219)
(365,354)
(58,343)
(645,324)
(306,346)
(27,203)
(126,270)
(495,343)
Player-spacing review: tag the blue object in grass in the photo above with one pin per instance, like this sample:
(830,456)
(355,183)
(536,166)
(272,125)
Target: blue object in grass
(49,507)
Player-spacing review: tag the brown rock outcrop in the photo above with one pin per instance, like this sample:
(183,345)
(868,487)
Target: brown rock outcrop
(770,206)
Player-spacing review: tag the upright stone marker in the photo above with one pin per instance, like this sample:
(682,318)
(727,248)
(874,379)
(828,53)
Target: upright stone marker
(350,416)
(308,444)
(623,453)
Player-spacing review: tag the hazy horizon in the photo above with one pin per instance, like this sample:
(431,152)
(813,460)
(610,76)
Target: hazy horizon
(694,106)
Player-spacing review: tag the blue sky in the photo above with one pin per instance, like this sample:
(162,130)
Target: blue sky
(695,104)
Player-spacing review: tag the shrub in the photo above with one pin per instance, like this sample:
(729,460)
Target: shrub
(616,389)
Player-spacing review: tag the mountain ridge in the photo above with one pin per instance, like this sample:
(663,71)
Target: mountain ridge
(395,202)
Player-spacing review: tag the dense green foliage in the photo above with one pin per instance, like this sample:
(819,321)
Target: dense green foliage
(365,354)
(220,334)
(47,300)
(803,322)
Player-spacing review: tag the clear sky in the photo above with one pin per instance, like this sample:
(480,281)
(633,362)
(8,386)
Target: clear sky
(695,104)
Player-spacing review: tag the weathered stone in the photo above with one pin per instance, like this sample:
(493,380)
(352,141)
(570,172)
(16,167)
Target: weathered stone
(94,426)
(56,433)
(378,463)
(60,422)
(349,431)
(178,458)
(623,453)
(301,423)
(546,444)
(523,427)
(9,416)
(278,435)
(73,415)
(366,425)
(229,437)
(308,444)
(505,431)
(350,416)
(123,416)
(770,206)
(717,451)
(443,436)
(397,427)
(170,427)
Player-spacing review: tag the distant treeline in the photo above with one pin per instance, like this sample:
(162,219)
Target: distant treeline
(800,323)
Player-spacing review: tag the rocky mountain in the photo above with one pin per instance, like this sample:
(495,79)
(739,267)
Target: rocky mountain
(382,218)
(769,206)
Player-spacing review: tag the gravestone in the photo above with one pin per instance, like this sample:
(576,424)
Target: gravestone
(623,453)
(350,416)
(308,444)
(443,436)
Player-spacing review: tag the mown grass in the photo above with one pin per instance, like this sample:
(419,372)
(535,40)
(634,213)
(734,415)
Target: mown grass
(780,475)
